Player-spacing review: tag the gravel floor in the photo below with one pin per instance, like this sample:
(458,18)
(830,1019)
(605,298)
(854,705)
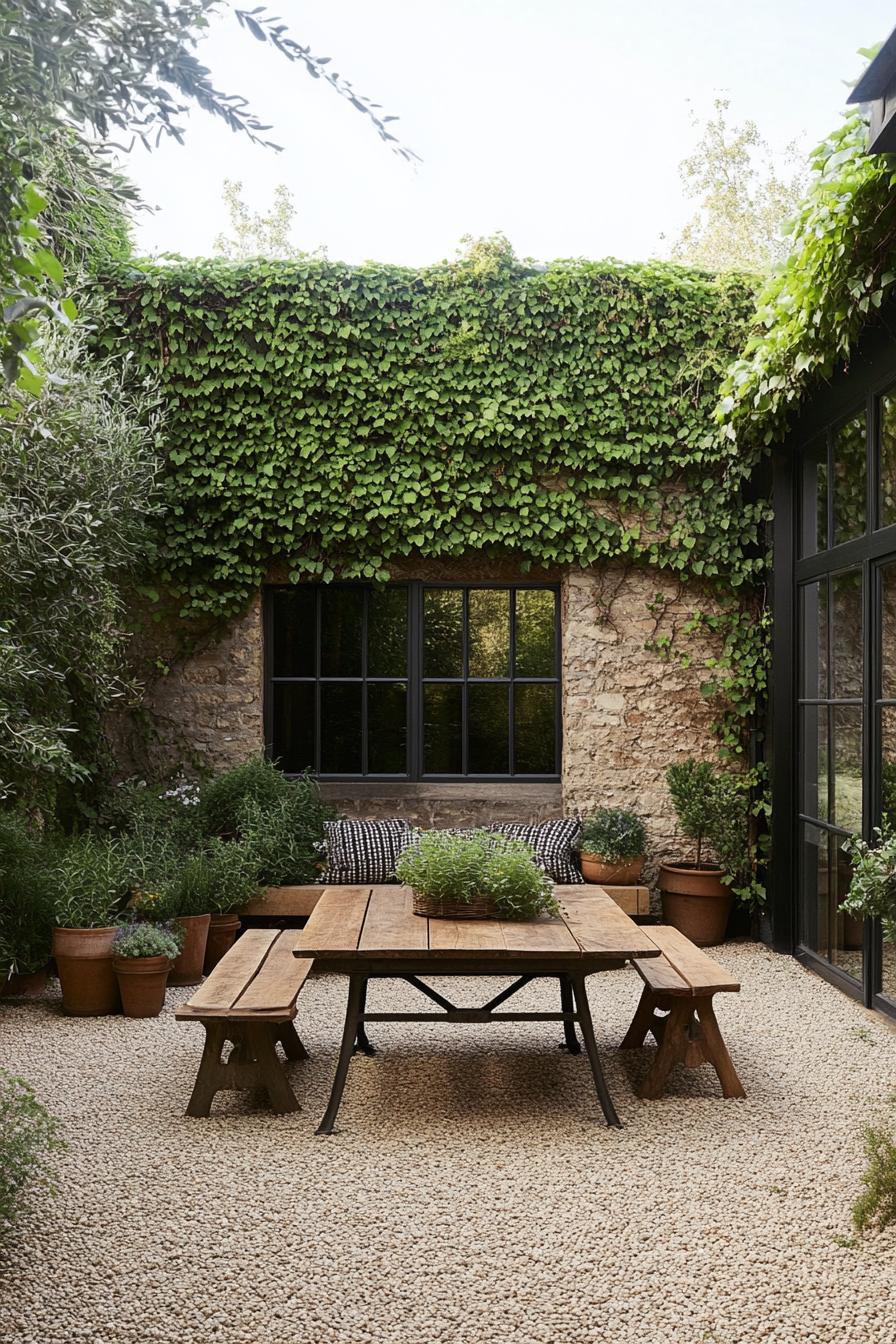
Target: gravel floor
(471,1194)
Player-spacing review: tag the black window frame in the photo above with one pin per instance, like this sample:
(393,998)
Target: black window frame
(416,680)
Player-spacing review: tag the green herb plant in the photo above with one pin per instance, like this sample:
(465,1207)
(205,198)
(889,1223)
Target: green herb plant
(614,835)
(875,1207)
(92,878)
(26,895)
(449,867)
(29,1140)
(214,880)
(144,939)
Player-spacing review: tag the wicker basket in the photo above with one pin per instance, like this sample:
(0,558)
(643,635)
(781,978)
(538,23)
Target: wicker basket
(481,907)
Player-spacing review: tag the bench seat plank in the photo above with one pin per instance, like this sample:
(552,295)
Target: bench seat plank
(683,969)
(233,973)
(277,984)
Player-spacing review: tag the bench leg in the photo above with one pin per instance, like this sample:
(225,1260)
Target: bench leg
(253,1063)
(291,1041)
(570,1039)
(261,1039)
(642,1021)
(672,1049)
(716,1051)
(206,1084)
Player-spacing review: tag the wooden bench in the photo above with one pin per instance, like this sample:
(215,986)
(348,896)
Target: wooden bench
(676,1006)
(249,1000)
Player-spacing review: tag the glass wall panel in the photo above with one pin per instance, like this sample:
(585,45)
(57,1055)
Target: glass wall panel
(847,647)
(846,803)
(814,500)
(888,632)
(886,461)
(816,889)
(850,480)
(814,761)
(814,640)
(848,932)
(888,764)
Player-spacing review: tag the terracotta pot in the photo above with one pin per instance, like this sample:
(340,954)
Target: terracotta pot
(222,932)
(187,969)
(695,901)
(25,984)
(142,982)
(626,874)
(84,962)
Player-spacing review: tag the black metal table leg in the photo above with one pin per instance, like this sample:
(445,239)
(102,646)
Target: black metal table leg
(362,1041)
(583,1012)
(356,986)
(570,1039)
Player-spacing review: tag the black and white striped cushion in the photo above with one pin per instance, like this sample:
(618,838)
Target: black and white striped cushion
(364,851)
(552,843)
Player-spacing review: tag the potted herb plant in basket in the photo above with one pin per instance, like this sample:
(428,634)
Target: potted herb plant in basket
(142,956)
(613,845)
(91,878)
(481,876)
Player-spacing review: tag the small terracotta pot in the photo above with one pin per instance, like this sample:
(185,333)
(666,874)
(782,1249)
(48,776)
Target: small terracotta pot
(222,932)
(596,869)
(84,962)
(695,901)
(187,969)
(25,984)
(142,982)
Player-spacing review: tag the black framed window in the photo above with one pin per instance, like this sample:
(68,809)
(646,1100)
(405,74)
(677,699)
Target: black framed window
(414,680)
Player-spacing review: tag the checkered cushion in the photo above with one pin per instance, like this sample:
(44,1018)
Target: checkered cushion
(553,845)
(364,851)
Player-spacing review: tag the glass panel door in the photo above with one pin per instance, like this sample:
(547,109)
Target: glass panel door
(885,753)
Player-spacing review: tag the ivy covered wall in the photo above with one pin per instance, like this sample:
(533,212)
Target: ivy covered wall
(338,418)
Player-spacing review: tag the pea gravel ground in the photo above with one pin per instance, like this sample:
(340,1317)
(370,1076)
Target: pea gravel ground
(471,1194)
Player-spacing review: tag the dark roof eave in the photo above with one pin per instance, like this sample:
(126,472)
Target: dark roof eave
(880,76)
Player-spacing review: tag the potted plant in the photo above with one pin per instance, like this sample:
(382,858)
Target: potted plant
(217,878)
(91,878)
(480,876)
(872,891)
(142,956)
(26,908)
(713,811)
(612,846)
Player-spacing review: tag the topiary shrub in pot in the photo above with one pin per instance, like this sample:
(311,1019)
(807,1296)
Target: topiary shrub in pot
(26,907)
(92,878)
(142,956)
(613,844)
(480,876)
(713,810)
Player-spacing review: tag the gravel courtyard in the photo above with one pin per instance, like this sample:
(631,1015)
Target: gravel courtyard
(471,1193)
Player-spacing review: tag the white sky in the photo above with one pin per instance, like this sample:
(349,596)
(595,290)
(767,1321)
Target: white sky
(560,123)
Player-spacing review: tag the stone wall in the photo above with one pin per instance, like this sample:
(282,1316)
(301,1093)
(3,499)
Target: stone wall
(626,712)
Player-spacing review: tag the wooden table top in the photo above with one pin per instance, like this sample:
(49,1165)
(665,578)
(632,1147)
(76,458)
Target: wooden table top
(370,922)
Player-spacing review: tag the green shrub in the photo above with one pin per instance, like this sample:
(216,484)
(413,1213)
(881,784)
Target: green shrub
(145,939)
(26,896)
(692,790)
(872,891)
(876,1206)
(29,1137)
(714,810)
(92,877)
(287,835)
(223,799)
(214,880)
(613,834)
(450,867)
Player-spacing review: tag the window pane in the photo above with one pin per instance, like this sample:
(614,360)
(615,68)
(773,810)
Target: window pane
(814,761)
(489,632)
(387,728)
(887,462)
(814,502)
(848,931)
(849,480)
(846,636)
(888,985)
(888,764)
(846,809)
(488,727)
(294,631)
(340,728)
(293,726)
(534,729)
(816,882)
(814,637)
(340,631)
(888,633)
(443,639)
(535,630)
(387,633)
(442,727)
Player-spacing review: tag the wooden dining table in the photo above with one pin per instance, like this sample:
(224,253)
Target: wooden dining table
(372,932)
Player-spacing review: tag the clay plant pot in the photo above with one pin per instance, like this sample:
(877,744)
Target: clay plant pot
(596,869)
(187,969)
(142,982)
(695,901)
(222,932)
(25,984)
(84,962)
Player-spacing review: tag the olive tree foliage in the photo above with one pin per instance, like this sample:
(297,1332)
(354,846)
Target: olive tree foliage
(255,234)
(78,491)
(745,201)
(108,71)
